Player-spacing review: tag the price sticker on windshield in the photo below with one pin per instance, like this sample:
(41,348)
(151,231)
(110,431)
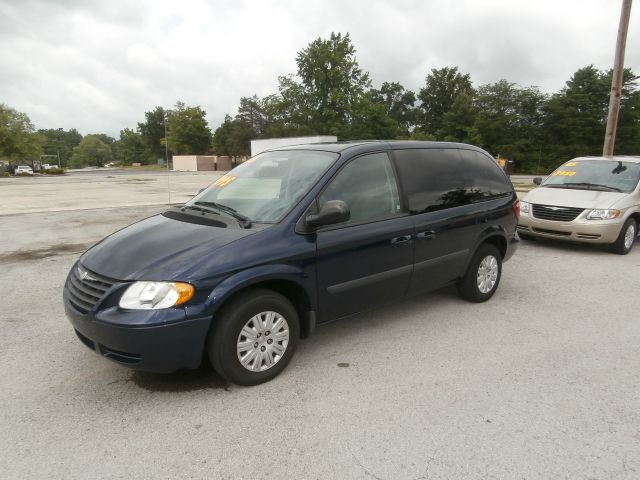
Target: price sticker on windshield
(563,173)
(571,164)
(223,181)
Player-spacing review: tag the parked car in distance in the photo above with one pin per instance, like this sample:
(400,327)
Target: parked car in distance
(292,238)
(46,166)
(23,169)
(588,199)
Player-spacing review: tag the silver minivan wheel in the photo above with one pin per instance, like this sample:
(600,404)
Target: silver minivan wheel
(629,236)
(263,341)
(626,238)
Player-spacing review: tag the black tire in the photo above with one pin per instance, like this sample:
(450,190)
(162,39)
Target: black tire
(468,287)
(619,246)
(224,337)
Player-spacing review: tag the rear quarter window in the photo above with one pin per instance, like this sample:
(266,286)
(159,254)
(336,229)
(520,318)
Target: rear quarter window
(438,178)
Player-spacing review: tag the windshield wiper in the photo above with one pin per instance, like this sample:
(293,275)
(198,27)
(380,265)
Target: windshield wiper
(587,184)
(200,209)
(243,220)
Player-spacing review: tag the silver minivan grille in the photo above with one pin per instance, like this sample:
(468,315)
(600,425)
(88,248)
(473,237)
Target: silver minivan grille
(558,214)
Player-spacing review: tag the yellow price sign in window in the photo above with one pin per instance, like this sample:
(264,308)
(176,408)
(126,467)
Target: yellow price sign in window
(571,164)
(223,181)
(563,173)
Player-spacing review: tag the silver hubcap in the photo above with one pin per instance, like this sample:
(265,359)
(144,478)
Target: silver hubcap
(263,341)
(487,274)
(629,236)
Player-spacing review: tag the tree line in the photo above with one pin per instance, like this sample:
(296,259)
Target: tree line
(184,129)
(331,95)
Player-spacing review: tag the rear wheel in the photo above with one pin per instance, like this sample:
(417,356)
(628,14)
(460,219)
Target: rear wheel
(483,275)
(254,337)
(626,239)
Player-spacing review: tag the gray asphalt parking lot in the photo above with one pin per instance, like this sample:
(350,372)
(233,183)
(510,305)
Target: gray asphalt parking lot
(539,382)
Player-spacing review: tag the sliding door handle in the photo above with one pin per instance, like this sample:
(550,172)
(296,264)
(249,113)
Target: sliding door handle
(427,235)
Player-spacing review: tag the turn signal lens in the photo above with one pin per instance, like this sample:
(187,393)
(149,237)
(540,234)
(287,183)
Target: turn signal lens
(185,292)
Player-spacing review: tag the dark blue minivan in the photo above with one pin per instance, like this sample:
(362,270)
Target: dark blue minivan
(291,239)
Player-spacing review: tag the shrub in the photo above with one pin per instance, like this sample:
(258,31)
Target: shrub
(4,174)
(53,171)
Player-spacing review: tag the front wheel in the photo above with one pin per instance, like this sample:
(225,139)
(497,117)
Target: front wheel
(253,337)
(626,239)
(483,275)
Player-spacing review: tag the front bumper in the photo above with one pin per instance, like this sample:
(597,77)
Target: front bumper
(578,230)
(151,340)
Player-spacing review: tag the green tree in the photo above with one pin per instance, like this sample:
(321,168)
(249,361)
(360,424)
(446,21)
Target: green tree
(18,141)
(509,121)
(459,123)
(60,142)
(442,86)
(628,131)
(233,137)
(251,113)
(288,113)
(371,120)
(332,83)
(575,117)
(131,148)
(152,131)
(187,130)
(91,152)
(398,103)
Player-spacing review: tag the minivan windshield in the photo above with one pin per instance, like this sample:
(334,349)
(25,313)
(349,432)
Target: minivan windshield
(604,175)
(264,188)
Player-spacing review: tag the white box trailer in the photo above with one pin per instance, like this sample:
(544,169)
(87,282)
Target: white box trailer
(258,146)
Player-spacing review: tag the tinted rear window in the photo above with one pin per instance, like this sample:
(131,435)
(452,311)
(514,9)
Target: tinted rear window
(434,179)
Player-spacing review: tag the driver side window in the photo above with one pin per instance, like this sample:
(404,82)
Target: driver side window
(368,186)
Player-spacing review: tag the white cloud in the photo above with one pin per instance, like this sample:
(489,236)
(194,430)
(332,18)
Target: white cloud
(98,66)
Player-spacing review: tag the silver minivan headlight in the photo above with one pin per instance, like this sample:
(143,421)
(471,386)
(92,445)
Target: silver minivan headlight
(603,214)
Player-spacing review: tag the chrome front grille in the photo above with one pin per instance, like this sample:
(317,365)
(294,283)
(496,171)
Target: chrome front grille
(87,288)
(558,214)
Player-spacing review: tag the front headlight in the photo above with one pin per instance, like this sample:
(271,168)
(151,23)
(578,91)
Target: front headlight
(602,214)
(524,207)
(155,295)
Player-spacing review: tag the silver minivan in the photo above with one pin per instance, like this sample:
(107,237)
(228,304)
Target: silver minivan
(588,199)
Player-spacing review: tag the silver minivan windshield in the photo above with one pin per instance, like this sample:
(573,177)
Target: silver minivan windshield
(264,188)
(605,175)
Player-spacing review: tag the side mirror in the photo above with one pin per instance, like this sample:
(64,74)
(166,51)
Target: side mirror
(537,180)
(334,211)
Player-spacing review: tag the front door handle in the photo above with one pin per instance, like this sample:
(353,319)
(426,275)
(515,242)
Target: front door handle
(426,235)
(400,241)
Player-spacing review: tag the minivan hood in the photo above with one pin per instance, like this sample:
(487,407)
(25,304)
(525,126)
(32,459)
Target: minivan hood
(157,248)
(571,197)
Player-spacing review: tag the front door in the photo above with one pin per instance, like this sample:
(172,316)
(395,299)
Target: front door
(366,261)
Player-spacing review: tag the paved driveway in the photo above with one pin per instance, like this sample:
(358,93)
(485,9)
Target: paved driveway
(541,382)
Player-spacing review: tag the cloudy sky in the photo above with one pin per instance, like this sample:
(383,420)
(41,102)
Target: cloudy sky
(99,65)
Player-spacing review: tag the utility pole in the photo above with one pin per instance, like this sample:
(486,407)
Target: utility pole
(166,153)
(616,81)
